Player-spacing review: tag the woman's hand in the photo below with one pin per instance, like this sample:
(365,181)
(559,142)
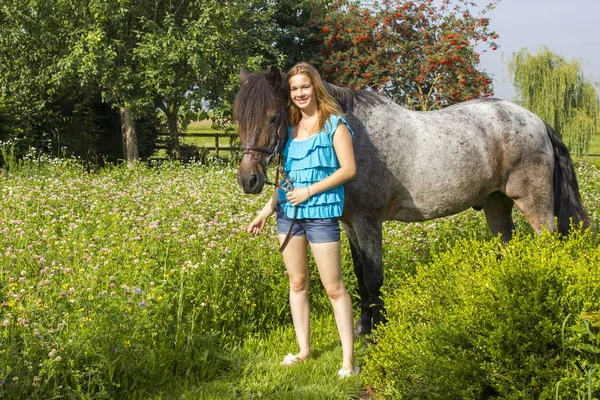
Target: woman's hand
(299,195)
(257,225)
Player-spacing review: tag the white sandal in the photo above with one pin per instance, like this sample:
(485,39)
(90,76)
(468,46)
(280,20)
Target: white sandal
(346,373)
(290,359)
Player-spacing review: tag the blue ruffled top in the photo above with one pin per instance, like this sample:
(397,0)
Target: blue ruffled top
(309,161)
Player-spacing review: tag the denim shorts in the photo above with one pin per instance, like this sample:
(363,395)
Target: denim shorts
(316,230)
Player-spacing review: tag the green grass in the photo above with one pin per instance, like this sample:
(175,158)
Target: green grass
(594,149)
(141,283)
(257,373)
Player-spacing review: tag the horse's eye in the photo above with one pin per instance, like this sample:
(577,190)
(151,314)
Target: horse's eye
(273,119)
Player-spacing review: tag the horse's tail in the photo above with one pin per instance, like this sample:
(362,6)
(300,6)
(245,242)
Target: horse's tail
(567,199)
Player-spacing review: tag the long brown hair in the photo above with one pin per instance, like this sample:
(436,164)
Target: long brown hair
(326,104)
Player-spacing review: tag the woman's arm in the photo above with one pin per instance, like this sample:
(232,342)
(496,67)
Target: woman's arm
(342,144)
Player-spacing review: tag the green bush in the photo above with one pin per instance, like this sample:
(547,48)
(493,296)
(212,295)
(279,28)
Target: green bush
(485,321)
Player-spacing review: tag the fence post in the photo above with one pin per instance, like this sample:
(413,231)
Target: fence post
(217,144)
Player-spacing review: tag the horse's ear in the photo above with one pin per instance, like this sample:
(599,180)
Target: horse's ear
(244,74)
(275,78)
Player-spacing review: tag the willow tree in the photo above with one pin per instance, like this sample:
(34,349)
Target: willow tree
(557,91)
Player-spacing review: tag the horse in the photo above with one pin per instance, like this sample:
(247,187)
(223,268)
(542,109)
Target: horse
(488,154)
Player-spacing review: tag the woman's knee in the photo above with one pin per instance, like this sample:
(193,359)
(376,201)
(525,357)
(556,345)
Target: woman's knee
(335,291)
(298,283)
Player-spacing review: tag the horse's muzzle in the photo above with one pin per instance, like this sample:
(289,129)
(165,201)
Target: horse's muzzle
(250,177)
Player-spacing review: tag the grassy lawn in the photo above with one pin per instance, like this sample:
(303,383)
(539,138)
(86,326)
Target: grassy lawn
(142,283)
(192,132)
(594,151)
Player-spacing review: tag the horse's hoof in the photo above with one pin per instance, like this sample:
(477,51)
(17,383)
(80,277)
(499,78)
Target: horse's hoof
(363,327)
(378,316)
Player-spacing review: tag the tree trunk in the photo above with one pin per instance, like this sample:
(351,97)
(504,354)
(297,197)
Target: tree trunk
(174,146)
(130,147)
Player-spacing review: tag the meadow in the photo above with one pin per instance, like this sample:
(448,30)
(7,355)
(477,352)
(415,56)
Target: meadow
(141,283)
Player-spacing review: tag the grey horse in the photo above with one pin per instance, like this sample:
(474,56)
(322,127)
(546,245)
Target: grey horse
(487,154)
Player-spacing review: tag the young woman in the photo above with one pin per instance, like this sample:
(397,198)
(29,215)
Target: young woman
(318,159)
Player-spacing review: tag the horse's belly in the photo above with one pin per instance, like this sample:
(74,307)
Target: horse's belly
(436,188)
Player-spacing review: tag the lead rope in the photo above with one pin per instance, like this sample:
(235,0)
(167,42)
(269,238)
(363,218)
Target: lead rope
(286,186)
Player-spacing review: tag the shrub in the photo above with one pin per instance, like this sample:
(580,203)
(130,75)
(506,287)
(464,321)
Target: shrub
(486,321)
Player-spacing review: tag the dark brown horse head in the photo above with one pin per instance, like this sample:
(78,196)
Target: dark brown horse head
(259,109)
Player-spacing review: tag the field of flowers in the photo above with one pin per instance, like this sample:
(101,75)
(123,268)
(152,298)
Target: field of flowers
(129,282)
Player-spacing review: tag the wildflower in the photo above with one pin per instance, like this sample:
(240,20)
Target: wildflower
(5,322)
(58,359)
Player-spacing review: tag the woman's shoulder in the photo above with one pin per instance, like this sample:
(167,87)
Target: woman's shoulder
(334,121)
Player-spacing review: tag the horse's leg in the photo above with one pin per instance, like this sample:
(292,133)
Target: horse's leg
(367,233)
(498,213)
(532,191)
(363,324)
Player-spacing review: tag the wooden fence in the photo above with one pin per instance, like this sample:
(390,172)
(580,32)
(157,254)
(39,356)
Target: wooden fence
(221,141)
(217,136)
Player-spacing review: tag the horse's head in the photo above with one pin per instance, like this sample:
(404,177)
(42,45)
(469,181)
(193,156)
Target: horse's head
(259,108)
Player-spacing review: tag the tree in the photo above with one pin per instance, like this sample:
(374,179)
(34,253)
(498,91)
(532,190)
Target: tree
(295,31)
(139,55)
(420,54)
(558,92)
(188,56)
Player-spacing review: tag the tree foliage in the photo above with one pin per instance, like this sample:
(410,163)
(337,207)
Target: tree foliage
(140,56)
(296,31)
(420,53)
(558,91)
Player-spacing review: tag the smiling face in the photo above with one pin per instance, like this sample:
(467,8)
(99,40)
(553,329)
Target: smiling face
(302,93)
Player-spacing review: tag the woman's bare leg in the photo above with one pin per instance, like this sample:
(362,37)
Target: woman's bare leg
(296,262)
(327,257)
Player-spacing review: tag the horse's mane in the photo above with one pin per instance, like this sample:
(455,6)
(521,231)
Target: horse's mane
(347,97)
(257,88)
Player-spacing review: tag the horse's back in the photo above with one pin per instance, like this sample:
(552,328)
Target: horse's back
(438,163)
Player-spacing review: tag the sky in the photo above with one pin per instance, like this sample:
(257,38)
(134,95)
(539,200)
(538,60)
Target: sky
(570,28)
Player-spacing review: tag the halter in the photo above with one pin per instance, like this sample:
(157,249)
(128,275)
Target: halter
(275,152)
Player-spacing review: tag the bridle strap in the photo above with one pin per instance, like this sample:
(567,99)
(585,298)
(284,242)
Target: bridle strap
(277,146)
